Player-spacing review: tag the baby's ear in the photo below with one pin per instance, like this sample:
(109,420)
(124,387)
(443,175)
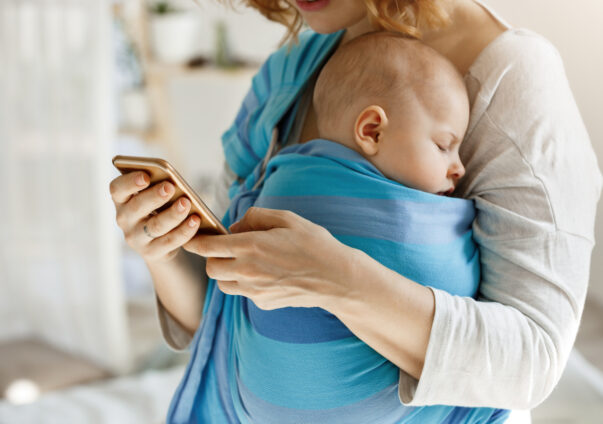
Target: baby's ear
(368,129)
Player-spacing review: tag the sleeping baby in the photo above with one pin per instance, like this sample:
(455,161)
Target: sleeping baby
(405,113)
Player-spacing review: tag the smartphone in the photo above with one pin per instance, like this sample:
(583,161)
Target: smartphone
(160,170)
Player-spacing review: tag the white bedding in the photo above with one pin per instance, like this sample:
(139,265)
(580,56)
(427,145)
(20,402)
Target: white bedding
(138,399)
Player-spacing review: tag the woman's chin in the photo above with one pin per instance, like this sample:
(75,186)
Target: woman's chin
(324,27)
(334,16)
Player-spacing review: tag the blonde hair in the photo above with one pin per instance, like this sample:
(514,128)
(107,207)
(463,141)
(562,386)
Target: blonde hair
(403,16)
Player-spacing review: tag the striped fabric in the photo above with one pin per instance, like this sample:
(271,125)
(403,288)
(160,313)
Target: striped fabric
(302,365)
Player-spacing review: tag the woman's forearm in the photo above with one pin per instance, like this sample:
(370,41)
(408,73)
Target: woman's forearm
(389,312)
(181,288)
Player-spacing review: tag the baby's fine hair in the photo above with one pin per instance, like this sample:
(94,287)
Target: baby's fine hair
(384,68)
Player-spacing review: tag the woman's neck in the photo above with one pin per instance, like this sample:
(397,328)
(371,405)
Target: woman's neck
(359,28)
(470,29)
(455,9)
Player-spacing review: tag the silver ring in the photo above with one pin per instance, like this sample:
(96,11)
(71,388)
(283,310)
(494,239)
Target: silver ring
(146,231)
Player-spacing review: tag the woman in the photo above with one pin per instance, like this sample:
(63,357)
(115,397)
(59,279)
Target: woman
(534,178)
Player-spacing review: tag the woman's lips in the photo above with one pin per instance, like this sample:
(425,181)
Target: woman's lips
(312,6)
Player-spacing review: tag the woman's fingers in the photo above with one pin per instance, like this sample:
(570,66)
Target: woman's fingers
(158,237)
(255,220)
(167,220)
(222,269)
(221,246)
(225,246)
(124,186)
(168,244)
(251,232)
(144,203)
(229,287)
(258,219)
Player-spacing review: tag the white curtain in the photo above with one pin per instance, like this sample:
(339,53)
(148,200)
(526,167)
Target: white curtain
(59,251)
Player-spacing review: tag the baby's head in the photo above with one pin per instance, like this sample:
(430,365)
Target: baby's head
(400,104)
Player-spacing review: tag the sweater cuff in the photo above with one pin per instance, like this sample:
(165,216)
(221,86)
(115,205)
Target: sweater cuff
(413,392)
(176,337)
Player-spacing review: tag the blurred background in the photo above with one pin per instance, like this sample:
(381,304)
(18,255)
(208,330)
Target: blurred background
(84,80)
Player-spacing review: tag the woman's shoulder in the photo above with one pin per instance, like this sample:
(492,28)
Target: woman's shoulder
(519,81)
(527,148)
(517,49)
(518,65)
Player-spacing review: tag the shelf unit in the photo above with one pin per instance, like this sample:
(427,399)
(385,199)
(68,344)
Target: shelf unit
(157,79)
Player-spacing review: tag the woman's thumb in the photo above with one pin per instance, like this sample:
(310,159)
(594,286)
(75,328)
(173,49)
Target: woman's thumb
(260,219)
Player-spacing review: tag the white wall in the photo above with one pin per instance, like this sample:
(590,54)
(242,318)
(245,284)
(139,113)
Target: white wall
(576,29)
(251,36)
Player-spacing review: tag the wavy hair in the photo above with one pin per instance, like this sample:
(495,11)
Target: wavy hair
(403,16)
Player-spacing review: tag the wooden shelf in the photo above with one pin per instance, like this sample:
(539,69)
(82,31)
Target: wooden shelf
(157,78)
(154,68)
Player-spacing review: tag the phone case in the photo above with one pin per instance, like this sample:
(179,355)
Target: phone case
(161,170)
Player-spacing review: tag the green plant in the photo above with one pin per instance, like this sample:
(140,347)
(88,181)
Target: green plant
(162,7)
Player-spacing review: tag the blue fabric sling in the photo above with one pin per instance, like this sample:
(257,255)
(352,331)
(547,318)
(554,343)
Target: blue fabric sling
(302,365)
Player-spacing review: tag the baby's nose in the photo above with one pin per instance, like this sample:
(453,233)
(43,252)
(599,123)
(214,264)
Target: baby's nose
(457,170)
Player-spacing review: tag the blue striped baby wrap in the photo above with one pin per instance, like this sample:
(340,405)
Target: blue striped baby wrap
(302,365)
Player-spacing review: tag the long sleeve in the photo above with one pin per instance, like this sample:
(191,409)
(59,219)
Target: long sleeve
(534,177)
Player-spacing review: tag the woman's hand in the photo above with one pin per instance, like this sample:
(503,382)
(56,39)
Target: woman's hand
(157,238)
(278,259)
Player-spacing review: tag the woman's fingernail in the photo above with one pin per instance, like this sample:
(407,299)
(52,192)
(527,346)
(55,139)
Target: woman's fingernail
(164,190)
(181,205)
(141,180)
(192,222)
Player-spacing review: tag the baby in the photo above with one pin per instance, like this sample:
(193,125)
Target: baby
(400,104)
